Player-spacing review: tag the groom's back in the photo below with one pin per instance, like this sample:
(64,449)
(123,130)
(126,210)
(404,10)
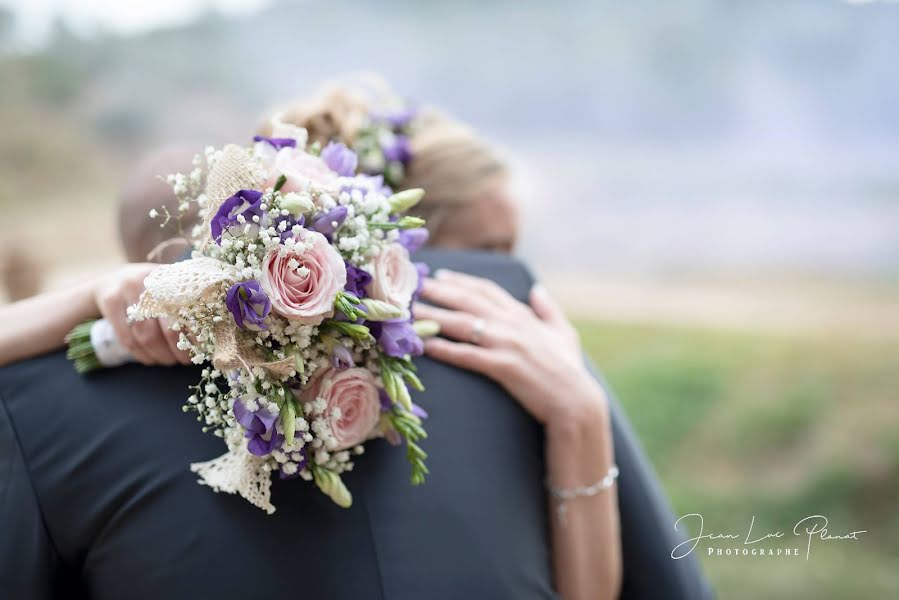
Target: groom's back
(98,500)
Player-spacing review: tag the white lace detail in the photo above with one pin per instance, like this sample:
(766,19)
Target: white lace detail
(234,170)
(238,472)
(170,288)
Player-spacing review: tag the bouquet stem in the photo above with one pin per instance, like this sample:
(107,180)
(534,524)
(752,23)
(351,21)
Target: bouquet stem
(81,349)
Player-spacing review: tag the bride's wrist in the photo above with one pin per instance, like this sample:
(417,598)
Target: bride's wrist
(579,443)
(583,413)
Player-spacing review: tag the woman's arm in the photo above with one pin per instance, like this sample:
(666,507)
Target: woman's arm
(39,324)
(533,351)
(585,531)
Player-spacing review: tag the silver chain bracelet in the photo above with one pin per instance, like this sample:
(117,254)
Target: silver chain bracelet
(563,495)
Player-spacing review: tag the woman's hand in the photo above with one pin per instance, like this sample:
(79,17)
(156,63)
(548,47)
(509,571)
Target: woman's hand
(532,351)
(151,342)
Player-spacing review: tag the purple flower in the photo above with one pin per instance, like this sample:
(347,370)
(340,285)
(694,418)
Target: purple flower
(386,403)
(288,229)
(300,465)
(397,117)
(327,222)
(341,357)
(396,148)
(248,304)
(419,411)
(356,280)
(244,202)
(340,159)
(365,183)
(276,143)
(397,337)
(423,271)
(413,239)
(259,428)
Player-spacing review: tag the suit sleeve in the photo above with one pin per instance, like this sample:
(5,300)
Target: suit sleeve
(28,560)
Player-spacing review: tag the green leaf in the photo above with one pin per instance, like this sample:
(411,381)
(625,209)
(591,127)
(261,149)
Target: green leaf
(282,179)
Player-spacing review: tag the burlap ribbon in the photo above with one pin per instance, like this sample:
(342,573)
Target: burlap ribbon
(236,350)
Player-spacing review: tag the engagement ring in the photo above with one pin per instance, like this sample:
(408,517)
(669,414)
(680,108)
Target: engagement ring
(477,331)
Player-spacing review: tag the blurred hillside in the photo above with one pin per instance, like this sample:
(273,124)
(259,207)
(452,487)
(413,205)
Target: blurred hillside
(775,427)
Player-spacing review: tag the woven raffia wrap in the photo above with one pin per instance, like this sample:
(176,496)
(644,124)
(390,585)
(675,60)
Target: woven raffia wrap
(169,288)
(233,351)
(238,472)
(234,170)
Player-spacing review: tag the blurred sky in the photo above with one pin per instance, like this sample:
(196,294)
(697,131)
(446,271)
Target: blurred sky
(35,17)
(701,135)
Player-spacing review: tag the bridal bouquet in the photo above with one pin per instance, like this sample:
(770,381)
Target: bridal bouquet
(297,299)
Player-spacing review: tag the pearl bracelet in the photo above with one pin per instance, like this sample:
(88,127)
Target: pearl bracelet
(563,495)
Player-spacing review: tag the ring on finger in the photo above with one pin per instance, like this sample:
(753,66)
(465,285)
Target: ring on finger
(477,331)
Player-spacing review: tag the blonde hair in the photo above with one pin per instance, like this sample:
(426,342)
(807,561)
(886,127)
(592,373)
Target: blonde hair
(449,160)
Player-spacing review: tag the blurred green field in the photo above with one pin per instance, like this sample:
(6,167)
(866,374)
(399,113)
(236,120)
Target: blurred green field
(776,426)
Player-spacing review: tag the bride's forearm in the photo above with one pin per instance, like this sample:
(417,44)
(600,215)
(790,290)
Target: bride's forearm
(586,539)
(39,324)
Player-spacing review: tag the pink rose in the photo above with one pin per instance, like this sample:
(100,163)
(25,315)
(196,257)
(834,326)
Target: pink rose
(302,171)
(302,282)
(394,277)
(354,394)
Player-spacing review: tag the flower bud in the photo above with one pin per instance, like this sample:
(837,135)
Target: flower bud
(341,357)
(426,328)
(410,222)
(403,201)
(296,204)
(378,310)
(402,395)
(332,486)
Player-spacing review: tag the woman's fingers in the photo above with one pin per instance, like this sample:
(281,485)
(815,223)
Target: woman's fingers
(451,295)
(149,336)
(466,356)
(476,295)
(459,325)
(113,309)
(485,288)
(546,307)
(150,341)
(172,337)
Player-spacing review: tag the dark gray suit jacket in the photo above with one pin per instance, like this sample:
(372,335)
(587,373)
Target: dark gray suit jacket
(96,499)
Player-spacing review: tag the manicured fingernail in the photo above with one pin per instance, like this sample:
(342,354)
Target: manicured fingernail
(442,273)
